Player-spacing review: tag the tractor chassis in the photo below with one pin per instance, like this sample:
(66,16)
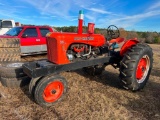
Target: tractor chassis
(44,67)
(41,69)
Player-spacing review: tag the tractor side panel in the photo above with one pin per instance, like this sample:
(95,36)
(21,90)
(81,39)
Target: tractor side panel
(128,44)
(56,49)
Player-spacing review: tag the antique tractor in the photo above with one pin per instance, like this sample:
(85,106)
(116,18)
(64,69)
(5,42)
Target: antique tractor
(91,52)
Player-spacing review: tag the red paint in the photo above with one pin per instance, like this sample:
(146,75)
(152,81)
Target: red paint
(80,26)
(58,44)
(78,49)
(30,41)
(141,68)
(117,40)
(128,44)
(91,28)
(53,91)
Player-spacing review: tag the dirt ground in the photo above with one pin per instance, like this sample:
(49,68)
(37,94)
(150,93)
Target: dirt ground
(89,98)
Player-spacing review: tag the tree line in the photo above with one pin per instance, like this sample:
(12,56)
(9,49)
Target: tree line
(147,37)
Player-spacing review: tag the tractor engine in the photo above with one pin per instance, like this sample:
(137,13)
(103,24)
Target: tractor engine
(64,48)
(84,52)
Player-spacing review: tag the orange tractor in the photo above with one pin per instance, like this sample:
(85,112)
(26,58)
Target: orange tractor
(91,52)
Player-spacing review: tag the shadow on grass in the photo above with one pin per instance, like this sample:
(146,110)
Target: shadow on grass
(25,90)
(106,78)
(155,72)
(147,106)
(148,103)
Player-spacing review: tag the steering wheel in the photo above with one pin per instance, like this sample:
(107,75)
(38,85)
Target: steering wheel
(112,32)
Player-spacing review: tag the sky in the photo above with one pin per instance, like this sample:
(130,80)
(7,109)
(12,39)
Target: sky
(139,15)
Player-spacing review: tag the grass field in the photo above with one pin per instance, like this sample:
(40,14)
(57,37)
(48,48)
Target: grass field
(89,98)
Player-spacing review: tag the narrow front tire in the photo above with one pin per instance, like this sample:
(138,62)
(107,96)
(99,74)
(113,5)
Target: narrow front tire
(50,90)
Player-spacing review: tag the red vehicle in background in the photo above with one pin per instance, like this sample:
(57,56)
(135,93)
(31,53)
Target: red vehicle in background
(32,38)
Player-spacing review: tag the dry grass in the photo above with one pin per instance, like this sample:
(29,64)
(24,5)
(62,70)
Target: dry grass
(89,98)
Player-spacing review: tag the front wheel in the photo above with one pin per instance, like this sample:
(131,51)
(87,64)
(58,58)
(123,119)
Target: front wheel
(136,66)
(50,90)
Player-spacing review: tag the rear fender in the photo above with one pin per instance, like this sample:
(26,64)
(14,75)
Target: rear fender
(128,44)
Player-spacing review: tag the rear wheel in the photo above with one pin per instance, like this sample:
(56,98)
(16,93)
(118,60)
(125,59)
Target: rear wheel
(50,90)
(10,50)
(136,66)
(10,59)
(9,42)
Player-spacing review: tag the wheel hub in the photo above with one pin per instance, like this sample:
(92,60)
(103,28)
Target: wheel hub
(142,68)
(53,91)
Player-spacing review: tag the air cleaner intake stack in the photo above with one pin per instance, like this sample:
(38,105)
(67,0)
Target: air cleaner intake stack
(91,28)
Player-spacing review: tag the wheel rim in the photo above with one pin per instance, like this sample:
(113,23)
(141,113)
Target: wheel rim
(53,91)
(142,69)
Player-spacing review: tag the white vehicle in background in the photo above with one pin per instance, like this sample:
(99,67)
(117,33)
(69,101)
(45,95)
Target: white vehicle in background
(5,25)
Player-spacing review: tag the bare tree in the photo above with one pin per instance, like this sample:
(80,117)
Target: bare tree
(123,33)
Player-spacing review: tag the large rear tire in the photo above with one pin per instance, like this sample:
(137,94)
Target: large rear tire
(10,59)
(135,67)
(10,50)
(9,42)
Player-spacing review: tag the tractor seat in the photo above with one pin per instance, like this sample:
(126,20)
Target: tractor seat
(117,40)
